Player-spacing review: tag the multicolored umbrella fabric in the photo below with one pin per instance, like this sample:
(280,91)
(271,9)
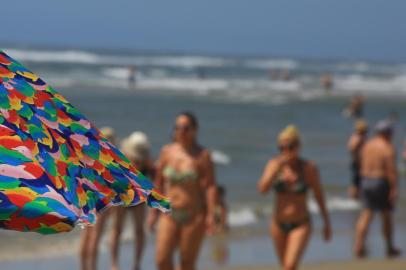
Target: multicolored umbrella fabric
(56,169)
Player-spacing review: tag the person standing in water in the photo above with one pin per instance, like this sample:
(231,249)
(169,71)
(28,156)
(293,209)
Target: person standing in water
(91,235)
(326,81)
(136,147)
(355,108)
(355,144)
(379,187)
(185,173)
(292,177)
(132,76)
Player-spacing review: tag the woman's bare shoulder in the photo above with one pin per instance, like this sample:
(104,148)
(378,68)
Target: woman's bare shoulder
(310,165)
(203,153)
(167,149)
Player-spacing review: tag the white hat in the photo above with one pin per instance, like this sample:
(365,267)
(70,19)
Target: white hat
(136,146)
(384,126)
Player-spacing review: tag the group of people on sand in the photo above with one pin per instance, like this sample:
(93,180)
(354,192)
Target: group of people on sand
(185,173)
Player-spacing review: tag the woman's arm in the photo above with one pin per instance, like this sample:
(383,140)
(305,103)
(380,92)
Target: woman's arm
(314,182)
(209,183)
(159,186)
(269,174)
(353,143)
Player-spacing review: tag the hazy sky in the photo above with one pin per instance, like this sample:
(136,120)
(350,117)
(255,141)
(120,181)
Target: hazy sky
(359,29)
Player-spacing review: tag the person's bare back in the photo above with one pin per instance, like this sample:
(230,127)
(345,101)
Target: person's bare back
(376,156)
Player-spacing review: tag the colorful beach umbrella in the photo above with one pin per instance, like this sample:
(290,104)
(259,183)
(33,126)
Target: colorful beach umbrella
(56,169)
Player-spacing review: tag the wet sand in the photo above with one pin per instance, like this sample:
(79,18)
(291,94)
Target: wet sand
(353,265)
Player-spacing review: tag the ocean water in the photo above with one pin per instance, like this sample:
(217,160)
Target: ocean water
(241,111)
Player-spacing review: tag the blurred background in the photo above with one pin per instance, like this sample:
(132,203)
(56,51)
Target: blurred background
(247,69)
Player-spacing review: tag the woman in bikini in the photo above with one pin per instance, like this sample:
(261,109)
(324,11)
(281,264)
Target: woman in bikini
(292,177)
(185,174)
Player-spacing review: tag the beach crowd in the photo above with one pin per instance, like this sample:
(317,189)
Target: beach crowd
(184,172)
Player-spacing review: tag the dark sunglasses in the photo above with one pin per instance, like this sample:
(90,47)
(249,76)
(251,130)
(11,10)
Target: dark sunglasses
(288,147)
(184,128)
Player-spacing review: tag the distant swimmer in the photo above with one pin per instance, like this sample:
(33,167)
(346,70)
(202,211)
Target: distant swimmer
(272,74)
(132,76)
(355,108)
(393,117)
(326,81)
(279,75)
(285,75)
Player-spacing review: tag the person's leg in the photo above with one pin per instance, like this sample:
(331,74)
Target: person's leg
(387,230)
(139,234)
(361,231)
(97,231)
(119,218)
(296,243)
(84,248)
(279,240)
(191,238)
(166,241)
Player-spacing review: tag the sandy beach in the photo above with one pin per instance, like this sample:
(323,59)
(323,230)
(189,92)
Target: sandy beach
(358,265)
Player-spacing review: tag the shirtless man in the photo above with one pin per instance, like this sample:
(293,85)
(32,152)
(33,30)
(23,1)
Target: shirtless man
(378,187)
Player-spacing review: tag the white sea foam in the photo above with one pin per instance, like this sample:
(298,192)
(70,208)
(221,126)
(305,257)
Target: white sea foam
(242,217)
(220,157)
(117,73)
(182,61)
(180,75)
(371,84)
(68,56)
(245,216)
(335,204)
(85,57)
(272,63)
(185,84)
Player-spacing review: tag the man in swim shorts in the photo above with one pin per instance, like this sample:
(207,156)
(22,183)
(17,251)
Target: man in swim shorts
(378,189)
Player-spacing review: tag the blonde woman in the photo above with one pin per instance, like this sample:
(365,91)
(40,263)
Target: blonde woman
(292,177)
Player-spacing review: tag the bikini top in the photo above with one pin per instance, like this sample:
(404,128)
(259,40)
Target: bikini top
(176,177)
(298,187)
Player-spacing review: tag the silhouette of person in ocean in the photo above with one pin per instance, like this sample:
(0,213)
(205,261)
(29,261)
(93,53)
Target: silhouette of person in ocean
(285,75)
(326,81)
(355,108)
(132,76)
